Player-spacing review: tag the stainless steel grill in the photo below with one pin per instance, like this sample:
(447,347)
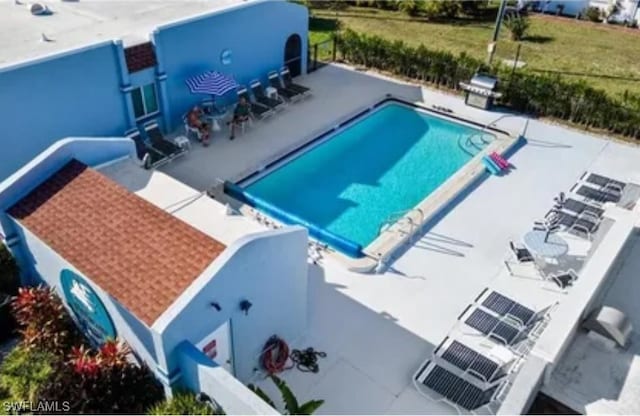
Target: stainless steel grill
(481,91)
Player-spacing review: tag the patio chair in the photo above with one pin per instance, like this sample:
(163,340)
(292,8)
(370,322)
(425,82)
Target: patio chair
(190,131)
(286,93)
(149,157)
(562,279)
(289,84)
(522,254)
(259,110)
(262,98)
(158,141)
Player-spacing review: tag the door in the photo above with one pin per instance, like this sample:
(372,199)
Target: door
(217,346)
(292,55)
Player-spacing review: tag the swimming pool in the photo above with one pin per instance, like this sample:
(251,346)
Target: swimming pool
(350,184)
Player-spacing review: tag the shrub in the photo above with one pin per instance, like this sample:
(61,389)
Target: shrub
(517,25)
(411,7)
(445,9)
(593,14)
(542,95)
(44,321)
(102,381)
(182,403)
(24,371)
(9,273)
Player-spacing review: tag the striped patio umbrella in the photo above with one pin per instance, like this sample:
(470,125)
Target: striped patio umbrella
(211,82)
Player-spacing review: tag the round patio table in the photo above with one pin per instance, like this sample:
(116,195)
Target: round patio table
(555,246)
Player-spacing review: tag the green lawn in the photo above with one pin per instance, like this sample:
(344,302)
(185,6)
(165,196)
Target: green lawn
(604,56)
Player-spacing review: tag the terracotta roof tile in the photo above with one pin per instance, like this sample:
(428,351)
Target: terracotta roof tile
(139,254)
(140,57)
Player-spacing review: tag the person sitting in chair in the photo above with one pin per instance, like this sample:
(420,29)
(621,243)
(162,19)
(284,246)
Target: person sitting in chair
(195,121)
(241,114)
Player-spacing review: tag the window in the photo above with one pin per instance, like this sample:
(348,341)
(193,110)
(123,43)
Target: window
(144,101)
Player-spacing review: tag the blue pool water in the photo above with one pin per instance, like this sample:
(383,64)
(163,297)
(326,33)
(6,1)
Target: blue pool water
(382,164)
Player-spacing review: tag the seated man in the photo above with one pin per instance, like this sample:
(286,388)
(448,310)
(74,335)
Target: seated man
(195,121)
(240,115)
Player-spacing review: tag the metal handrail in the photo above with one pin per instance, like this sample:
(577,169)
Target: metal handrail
(396,216)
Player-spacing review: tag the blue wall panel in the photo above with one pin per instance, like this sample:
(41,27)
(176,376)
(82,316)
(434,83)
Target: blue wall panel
(72,95)
(255,35)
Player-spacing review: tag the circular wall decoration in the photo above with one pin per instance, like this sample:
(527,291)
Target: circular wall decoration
(225,57)
(87,308)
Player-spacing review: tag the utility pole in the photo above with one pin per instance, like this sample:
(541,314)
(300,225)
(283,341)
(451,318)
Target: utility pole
(491,48)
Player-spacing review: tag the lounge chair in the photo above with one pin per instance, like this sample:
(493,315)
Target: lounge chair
(149,156)
(579,207)
(605,183)
(599,195)
(259,110)
(289,84)
(262,98)
(522,254)
(158,141)
(562,279)
(286,93)
(585,222)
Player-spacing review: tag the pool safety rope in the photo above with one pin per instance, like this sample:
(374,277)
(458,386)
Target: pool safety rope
(275,355)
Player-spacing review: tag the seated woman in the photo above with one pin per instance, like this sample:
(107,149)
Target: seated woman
(195,121)
(240,115)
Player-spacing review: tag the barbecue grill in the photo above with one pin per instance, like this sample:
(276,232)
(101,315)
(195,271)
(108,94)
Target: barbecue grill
(481,91)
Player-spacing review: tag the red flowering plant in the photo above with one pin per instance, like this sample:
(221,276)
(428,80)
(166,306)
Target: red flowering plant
(43,320)
(102,381)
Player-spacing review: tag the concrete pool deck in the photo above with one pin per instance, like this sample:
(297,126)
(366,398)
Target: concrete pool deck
(378,329)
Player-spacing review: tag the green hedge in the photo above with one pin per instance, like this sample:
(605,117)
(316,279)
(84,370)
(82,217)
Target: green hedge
(541,95)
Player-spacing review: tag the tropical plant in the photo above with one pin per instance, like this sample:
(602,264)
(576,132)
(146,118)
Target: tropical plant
(103,381)
(182,403)
(24,371)
(9,273)
(593,14)
(291,405)
(44,322)
(517,25)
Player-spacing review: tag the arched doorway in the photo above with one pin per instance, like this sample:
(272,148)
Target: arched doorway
(293,54)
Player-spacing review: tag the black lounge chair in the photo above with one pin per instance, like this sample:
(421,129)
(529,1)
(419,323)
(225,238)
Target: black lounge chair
(522,254)
(579,207)
(148,155)
(258,109)
(458,390)
(585,222)
(262,98)
(605,183)
(598,195)
(472,362)
(158,141)
(495,328)
(286,93)
(289,84)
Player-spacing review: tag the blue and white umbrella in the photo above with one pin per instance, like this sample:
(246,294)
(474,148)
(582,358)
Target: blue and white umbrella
(211,82)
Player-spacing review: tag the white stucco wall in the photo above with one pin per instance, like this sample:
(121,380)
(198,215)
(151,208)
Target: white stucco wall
(270,270)
(47,265)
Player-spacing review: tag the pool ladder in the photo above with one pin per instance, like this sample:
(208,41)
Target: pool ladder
(402,216)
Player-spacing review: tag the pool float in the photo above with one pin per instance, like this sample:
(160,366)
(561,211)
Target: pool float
(490,165)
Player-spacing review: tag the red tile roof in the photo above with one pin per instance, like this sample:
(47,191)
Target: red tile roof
(139,254)
(140,57)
